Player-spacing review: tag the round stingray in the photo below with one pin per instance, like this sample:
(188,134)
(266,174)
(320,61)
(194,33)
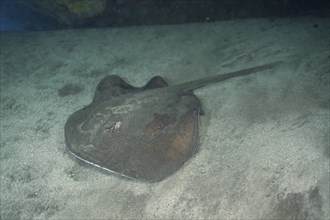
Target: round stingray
(144,133)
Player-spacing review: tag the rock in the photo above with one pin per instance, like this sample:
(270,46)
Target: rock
(68,12)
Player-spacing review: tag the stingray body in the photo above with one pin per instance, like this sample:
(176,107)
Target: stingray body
(144,133)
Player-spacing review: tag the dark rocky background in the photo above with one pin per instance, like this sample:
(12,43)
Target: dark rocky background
(61,14)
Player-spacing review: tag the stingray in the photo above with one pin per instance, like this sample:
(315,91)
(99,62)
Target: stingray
(145,133)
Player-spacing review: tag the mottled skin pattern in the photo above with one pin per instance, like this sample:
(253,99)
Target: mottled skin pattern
(143,133)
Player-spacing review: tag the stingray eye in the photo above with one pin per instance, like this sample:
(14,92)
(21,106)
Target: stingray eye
(109,82)
(105,85)
(156,82)
(114,128)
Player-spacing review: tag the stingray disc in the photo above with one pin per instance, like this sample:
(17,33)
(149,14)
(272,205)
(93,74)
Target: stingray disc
(142,133)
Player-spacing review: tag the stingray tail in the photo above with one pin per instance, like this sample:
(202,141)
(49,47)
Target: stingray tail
(187,86)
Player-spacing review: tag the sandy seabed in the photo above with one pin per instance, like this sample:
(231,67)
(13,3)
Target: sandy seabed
(264,141)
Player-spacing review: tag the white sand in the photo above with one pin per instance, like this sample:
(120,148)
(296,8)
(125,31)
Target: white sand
(264,142)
